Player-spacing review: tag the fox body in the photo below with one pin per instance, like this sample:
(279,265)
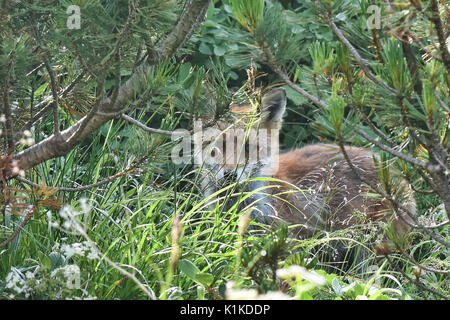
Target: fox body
(313,187)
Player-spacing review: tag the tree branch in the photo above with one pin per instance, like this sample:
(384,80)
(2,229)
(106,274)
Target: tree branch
(272,64)
(148,129)
(359,59)
(436,19)
(45,105)
(56,146)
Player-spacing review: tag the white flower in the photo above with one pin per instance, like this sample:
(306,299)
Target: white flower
(15,282)
(299,273)
(239,294)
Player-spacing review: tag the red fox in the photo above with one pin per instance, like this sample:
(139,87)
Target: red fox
(312,187)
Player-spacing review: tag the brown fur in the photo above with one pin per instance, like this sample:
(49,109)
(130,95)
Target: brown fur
(327,181)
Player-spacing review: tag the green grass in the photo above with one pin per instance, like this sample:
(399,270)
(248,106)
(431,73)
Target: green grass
(131,222)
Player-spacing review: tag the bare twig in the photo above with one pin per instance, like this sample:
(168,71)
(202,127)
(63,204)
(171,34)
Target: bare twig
(359,59)
(272,64)
(45,105)
(377,131)
(148,129)
(427,166)
(35,69)
(441,103)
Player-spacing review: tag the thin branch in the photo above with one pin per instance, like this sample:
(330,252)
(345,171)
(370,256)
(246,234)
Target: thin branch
(187,23)
(377,131)
(436,19)
(359,59)
(35,69)
(45,105)
(148,129)
(441,103)
(426,166)
(272,64)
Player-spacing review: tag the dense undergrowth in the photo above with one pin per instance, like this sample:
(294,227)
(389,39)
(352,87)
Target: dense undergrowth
(148,232)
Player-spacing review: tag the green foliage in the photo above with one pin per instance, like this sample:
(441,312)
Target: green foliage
(130,219)
(248,13)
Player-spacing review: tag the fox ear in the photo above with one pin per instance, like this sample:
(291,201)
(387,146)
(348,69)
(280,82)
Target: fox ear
(273,105)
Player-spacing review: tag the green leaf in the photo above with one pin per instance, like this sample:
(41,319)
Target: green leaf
(219,50)
(205,279)
(39,91)
(204,48)
(57,260)
(336,286)
(294,96)
(189,269)
(378,296)
(305,296)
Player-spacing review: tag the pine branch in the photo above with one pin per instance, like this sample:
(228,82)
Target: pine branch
(400,209)
(273,65)
(359,59)
(46,105)
(436,20)
(148,129)
(55,146)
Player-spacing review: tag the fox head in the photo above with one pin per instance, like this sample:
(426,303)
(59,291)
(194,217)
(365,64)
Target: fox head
(244,148)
